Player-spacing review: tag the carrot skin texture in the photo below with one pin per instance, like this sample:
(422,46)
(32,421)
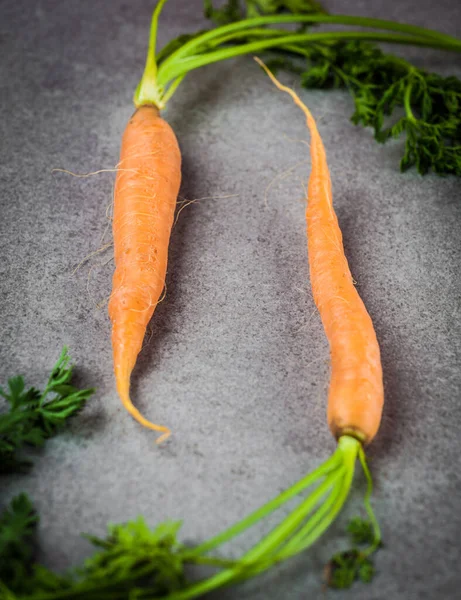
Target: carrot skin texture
(356,393)
(146,190)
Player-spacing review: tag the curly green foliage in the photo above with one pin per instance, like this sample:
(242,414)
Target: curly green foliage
(130,560)
(17,526)
(132,555)
(395,98)
(350,566)
(383,85)
(354,564)
(236,10)
(34,416)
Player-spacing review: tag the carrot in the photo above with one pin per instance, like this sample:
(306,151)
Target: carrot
(146,189)
(356,395)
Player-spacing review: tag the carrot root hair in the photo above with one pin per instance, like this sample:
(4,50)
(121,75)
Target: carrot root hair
(123,375)
(134,412)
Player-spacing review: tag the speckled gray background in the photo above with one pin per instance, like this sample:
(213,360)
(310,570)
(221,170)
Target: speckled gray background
(237,363)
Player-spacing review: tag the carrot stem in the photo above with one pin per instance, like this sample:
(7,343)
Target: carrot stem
(367,503)
(148,91)
(170,70)
(327,467)
(413,30)
(160,81)
(291,535)
(292,522)
(171,89)
(407,102)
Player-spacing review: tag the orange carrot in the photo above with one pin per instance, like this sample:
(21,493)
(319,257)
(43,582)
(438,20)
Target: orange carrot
(356,393)
(146,189)
(354,406)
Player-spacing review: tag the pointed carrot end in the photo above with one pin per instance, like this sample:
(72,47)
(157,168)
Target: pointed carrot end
(123,387)
(284,88)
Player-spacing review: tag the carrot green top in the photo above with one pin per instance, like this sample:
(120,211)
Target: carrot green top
(164,71)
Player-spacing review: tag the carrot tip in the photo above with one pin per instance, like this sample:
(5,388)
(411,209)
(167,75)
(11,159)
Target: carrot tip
(163,437)
(134,412)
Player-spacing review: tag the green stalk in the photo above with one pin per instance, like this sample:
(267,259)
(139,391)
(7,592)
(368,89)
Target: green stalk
(308,533)
(413,30)
(317,531)
(171,89)
(298,530)
(322,515)
(256,32)
(263,548)
(148,91)
(407,103)
(291,523)
(329,510)
(368,508)
(159,82)
(312,524)
(167,71)
(327,467)
(261,556)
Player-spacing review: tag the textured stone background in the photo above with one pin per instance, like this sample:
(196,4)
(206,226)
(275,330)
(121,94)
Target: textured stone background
(237,363)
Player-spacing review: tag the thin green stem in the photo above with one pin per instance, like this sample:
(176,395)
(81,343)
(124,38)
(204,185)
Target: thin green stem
(321,515)
(94,589)
(323,526)
(407,103)
(172,88)
(148,91)
(167,71)
(367,503)
(298,530)
(257,32)
(306,535)
(212,561)
(289,525)
(245,568)
(192,45)
(312,530)
(327,467)
(261,556)
(199,589)
(350,448)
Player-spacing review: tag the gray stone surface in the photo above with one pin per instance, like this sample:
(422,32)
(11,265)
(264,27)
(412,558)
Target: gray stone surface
(237,363)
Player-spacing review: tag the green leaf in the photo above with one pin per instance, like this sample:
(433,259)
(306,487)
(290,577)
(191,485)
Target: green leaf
(343,570)
(17,525)
(132,551)
(132,557)
(16,387)
(34,416)
(366,571)
(230,13)
(347,567)
(360,531)
(236,10)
